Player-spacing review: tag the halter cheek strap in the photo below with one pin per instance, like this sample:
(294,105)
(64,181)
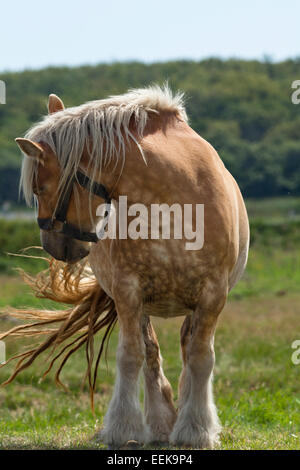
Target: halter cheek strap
(60,213)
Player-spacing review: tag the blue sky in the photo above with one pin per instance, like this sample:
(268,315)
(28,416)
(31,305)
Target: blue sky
(34,34)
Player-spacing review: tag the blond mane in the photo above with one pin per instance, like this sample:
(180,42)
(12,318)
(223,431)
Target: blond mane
(105,123)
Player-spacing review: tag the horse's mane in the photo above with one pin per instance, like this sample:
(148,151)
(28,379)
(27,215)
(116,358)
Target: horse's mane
(105,123)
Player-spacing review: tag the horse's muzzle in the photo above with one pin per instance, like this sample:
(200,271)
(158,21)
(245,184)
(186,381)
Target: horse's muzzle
(63,248)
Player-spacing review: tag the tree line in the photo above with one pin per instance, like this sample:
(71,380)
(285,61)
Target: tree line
(243,108)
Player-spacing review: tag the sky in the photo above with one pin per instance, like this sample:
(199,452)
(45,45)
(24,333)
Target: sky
(35,34)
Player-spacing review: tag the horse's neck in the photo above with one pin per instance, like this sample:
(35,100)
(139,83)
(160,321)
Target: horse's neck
(130,174)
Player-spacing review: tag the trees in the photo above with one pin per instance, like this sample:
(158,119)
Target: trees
(243,108)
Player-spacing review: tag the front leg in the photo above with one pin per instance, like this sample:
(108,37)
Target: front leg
(124,419)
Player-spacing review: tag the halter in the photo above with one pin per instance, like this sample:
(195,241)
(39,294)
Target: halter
(61,210)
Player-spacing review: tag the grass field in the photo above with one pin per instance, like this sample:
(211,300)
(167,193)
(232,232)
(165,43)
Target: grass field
(257,386)
(256,383)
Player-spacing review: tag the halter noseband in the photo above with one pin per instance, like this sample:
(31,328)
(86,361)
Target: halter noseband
(60,213)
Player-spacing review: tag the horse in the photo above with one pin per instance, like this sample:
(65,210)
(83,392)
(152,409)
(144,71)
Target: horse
(138,145)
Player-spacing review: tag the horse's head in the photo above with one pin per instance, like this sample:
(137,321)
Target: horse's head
(46,188)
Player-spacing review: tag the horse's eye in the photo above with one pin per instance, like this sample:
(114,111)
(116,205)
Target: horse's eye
(39,191)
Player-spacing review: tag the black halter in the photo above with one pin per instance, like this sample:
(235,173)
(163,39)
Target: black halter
(60,213)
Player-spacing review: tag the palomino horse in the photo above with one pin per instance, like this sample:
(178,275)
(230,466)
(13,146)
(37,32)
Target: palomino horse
(139,145)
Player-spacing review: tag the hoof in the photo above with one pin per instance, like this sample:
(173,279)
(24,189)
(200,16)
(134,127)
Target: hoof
(131,445)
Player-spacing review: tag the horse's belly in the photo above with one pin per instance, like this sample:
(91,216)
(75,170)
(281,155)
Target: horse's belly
(166,309)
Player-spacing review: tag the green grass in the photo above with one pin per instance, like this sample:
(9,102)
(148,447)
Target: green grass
(269,271)
(256,385)
(275,208)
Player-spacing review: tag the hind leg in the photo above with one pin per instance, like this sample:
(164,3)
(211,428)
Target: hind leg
(185,336)
(197,424)
(159,407)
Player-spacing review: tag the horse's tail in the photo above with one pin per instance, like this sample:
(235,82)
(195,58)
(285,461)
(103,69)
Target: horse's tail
(91,310)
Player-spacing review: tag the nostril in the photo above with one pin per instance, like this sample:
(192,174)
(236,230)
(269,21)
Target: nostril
(83,252)
(66,252)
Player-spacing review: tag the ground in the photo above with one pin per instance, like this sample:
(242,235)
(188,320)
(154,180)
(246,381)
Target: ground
(256,383)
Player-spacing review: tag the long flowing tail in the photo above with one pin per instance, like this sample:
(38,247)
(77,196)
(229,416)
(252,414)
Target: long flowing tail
(91,310)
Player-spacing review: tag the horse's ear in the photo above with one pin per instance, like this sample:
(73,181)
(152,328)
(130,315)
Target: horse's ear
(55,104)
(31,149)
